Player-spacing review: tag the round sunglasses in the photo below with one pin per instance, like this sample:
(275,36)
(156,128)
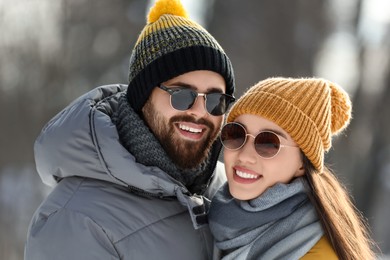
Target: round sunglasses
(183,98)
(267,144)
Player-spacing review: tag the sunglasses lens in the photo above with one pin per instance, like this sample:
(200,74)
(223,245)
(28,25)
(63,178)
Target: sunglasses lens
(267,144)
(183,99)
(217,103)
(233,136)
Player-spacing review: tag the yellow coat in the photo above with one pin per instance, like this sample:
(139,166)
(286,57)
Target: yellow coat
(323,250)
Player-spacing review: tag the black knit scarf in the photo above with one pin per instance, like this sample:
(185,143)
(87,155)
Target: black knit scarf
(137,138)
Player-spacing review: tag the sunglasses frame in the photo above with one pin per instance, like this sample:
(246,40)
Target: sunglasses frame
(174,89)
(254,137)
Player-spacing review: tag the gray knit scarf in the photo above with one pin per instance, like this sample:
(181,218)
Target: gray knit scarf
(280,224)
(137,138)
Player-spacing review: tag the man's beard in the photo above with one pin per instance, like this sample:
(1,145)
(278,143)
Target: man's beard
(185,154)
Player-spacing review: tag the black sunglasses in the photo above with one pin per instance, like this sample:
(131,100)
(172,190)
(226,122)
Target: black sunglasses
(183,98)
(267,144)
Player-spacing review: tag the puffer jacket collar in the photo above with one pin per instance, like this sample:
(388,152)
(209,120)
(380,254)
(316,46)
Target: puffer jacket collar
(83,141)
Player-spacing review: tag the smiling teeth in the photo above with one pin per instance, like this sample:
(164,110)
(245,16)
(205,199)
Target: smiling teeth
(246,175)
(190,129)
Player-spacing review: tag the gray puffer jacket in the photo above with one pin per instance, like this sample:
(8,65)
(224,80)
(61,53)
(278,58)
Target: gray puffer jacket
(94,211)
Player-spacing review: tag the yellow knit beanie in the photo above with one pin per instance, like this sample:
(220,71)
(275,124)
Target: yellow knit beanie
(310,110)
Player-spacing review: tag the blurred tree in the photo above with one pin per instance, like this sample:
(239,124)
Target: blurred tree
(364,156)
(363,159)
(88,44)
(269,38)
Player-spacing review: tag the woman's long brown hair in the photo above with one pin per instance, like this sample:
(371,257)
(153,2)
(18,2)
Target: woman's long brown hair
(343,224)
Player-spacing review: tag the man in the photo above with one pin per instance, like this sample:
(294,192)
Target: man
(134,166)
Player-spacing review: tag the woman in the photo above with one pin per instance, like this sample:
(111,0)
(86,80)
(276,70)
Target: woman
(280,201)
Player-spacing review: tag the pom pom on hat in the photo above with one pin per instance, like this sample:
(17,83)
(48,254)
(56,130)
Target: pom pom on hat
(310,110)
(173,7)
(341,108)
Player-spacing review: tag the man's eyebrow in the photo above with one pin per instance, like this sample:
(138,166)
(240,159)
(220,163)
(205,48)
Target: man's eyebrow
(186,85)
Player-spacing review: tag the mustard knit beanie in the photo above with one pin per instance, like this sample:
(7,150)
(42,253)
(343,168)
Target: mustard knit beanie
(170,45)
(310,110)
